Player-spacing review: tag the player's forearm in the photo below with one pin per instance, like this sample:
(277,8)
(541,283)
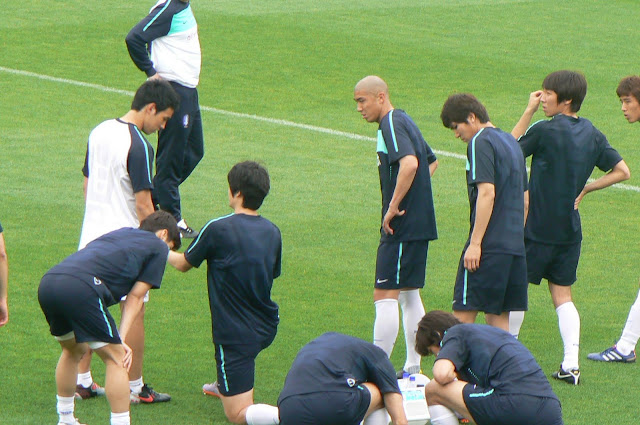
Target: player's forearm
(393,404)
(526,206)
(4,270)
(178,260)
(131,309)
(525,120)
(433,167)
(484,210)
(406,174)
(619,173)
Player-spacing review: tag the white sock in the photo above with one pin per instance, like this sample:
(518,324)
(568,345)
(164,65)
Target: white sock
(631,331)
(385,328)
(412,313)
(262,414)
(569,324)
(515,322)
(65,408)
(136,385)
(441,415)
(377,417)
(85,379)
(120,418)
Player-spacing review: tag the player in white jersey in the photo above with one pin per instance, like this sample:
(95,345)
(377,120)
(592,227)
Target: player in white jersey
(117,187)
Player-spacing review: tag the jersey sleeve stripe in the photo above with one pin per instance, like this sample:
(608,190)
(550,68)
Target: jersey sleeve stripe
(393,131)
(473,154)
(204,228)
(156,17)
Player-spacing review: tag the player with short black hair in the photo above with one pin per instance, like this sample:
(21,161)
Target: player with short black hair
(243,252)
(158,93)
(623,351)
(492,273)
(484,374)
(565,151)
(75,295)
(405,166)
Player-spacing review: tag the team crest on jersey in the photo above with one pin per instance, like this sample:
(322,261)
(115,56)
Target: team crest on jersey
(97,281)
(351,382)
(185,121)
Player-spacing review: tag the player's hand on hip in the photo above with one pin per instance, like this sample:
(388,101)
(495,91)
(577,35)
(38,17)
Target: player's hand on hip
(472,258)
(576,203)
(392,212)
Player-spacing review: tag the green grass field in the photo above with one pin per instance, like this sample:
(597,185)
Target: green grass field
(268,68)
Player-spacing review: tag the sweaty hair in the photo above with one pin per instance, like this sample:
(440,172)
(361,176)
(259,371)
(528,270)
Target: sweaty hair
(458,107)
(252,181)
(160,220)
(629,86)
(432,328)
(159,92)
(568,85)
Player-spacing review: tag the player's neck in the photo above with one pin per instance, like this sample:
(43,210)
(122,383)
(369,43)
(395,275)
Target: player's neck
(133,117)
(245,211)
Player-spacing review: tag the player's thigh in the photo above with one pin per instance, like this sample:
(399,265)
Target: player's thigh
(563,269)
(235,365)
(490,408)
(484,289)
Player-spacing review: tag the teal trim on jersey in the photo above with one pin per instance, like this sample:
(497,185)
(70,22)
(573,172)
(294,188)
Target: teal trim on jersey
(105,318)
(399,258)
(156,17)
(474,395)
(146,152)
(393,131)
(224,373)
(202,230)
(528,128)
(382,146)
(467,165)
(182,21)
(473,154)
(464,288)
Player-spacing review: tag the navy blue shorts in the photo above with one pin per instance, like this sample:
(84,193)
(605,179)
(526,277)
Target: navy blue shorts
(499,285)
(236,366)
(401,264)
(556,263)
(336,408)
(69,304)
(489,408)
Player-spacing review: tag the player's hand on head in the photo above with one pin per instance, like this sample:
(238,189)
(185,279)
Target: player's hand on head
(534,100)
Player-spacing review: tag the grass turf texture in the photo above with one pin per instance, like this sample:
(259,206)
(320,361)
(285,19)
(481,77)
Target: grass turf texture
(299,61)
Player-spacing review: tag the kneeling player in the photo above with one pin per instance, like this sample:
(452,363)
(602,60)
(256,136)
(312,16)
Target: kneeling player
(75,294)
(485,374)
(243,252)
(339,379)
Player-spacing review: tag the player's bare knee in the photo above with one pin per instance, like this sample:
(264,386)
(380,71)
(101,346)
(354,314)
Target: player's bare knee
(432,392)
(111,353)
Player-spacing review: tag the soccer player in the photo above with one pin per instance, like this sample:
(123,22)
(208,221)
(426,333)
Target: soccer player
(243,252)
(624,350)
(117,188)
(165,45)
(339,379)
(485,374)
(4,281)
(565,150)
(75,294)
(492,273)
(405,165)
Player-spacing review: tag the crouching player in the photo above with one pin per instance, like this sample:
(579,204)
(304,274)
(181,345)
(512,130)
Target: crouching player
(339,379)
(485,374)
(75,294)
(243,252)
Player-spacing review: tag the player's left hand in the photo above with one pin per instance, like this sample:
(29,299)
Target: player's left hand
(578,199)
(128,356)
(386,222)
(472,258)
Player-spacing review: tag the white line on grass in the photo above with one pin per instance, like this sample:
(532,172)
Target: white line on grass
(276,121)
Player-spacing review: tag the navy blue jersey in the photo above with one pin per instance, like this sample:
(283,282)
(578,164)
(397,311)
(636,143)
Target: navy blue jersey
(337,362)
(494,156)
(117,261)
(399,136)
(565,151)
(243,254)
(1,230)
(489,357)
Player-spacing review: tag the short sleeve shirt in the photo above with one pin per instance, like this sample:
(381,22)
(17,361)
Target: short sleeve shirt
(117,261)
(565,151)
(335,362)
(243,254)
(399,136)
(493,359)
(494,156)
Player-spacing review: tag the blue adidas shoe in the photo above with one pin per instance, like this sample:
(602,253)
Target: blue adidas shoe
(612,354)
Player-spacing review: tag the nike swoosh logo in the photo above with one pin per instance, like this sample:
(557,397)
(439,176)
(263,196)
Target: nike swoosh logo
(381,280)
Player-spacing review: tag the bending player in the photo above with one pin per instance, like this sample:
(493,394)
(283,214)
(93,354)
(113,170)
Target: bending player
(243,252)
(75,294)
(485,374)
